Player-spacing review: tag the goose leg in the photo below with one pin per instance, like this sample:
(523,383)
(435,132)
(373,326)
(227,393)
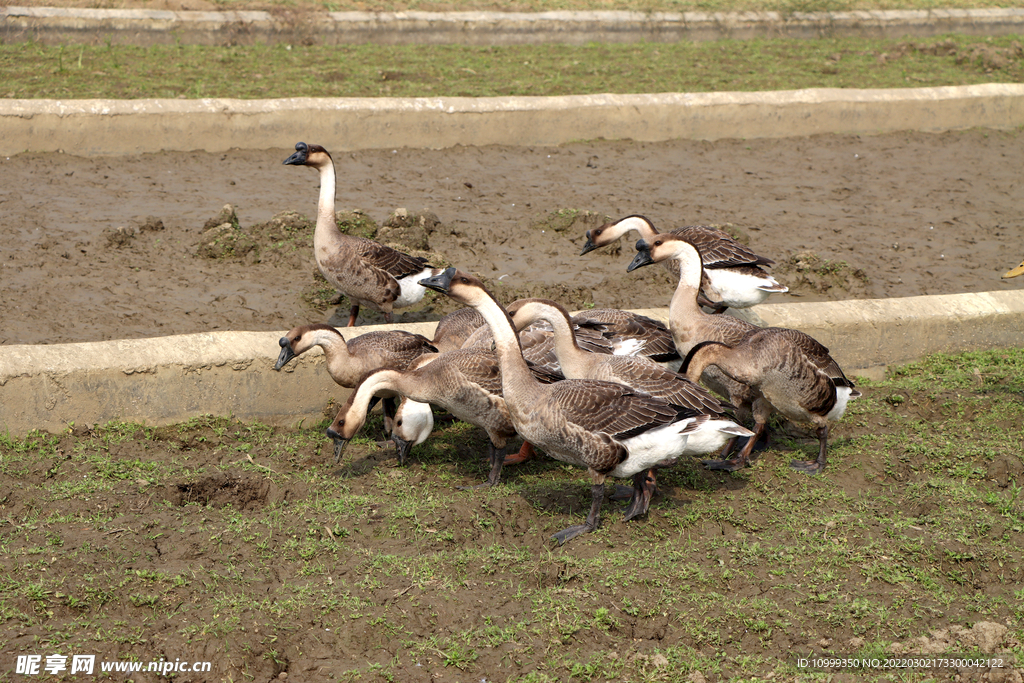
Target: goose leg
(524,454)
(629,492)
(496,457)
(715,306)
(593,519)
(743,459)
(644,486)
(352,314)
(387,406)
(815,466)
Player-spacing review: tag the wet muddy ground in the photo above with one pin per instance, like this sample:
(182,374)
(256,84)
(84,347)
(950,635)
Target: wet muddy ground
(82,258)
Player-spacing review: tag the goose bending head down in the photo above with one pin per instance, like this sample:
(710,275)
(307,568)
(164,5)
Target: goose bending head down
(605,427)
(733,276)
(367,272)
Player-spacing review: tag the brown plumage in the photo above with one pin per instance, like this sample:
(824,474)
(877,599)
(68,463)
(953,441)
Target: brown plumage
(454,329)
(791,372)
(368,272)
(348,361)
(778,350)
(605,427)
(732,275)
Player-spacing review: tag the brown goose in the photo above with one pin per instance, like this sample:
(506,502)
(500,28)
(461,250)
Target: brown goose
(791,372)
(367,272)
(691,327)
(732,273)
(348,361)
(454,329)
(605,427)
(637,372)
(466,383)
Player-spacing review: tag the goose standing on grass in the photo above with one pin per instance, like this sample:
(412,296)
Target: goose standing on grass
(637,372)
(348,361)
(791,372)
(1014,272)
(467,383)
(367,272)
(812,378)
(607,428)
(733,277)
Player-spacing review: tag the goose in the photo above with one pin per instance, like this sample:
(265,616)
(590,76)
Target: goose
(691,327)
(792,373)
(1014,272)
(466,383)
(637,372)
(454,329)
(605,427)
(732,276)
(348,361)
(368,272)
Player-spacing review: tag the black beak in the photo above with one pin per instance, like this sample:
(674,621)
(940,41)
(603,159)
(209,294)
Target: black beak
(286,353)
(589,246)
(402,447)
(439,283)
(299,158)
(339,444)
(642,258)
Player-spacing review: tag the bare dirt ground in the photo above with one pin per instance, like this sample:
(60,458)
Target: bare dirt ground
(844,217)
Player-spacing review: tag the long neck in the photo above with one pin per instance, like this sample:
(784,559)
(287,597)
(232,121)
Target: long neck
(326,227)
(684,312)
(355,416)
(570,356)
(635,223)
(339,360)
(516,377)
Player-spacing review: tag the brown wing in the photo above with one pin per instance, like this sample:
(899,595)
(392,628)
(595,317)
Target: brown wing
(718,249)
(816,353)
(613,409)
(647,376)
(395,348)
(656,337)
(478,366)
(395,263)
(454,329)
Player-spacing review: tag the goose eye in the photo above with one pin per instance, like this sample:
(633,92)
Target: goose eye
(465,280)
(657,242)
(399,423)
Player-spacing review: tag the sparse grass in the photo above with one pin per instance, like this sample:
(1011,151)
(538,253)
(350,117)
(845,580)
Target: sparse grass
(916,526)
(32,70)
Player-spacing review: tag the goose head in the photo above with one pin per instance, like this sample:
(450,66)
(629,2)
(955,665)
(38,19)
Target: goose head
(609,232)
(300,339)
(342,429)
(412,425)
(667,246)
(525,312)
(1014,272)
(460,286)
(308,155)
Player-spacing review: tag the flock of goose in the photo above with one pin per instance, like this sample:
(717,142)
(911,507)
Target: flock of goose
(609,391)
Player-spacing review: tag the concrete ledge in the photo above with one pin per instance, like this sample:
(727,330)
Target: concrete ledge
(111,127)
(170,379)
(54,25)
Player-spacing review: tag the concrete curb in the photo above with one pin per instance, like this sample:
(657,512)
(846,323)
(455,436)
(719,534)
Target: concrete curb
(111,127)
(54,25)
(170,379)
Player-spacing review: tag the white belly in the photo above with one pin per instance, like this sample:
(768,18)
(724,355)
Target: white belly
(659,446)
(842,399)
(712,435)
(412,291)
(740,290)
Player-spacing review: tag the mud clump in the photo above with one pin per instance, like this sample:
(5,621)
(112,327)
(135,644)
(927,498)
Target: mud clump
(356,223)
(241,492)
(151,224)
(226,241)
(408,231)
(808,273)
(573,221)
(120,236)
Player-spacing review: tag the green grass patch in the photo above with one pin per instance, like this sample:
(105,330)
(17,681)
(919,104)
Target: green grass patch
(33,70)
